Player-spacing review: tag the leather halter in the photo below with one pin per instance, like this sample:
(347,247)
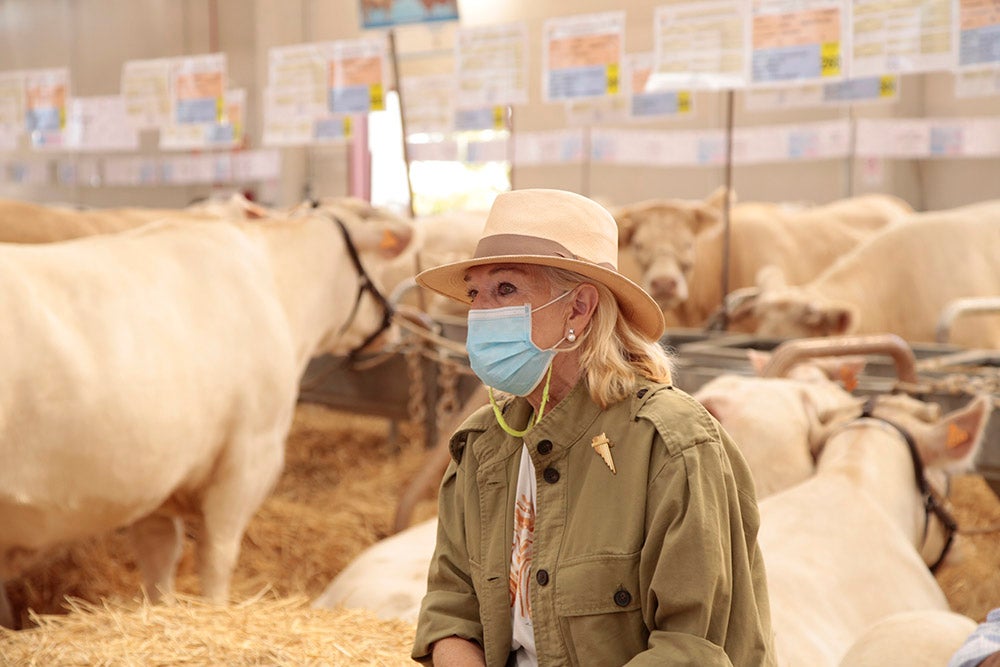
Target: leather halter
(365,284)
(931,502)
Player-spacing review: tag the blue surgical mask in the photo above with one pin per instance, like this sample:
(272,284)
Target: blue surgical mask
(501,351)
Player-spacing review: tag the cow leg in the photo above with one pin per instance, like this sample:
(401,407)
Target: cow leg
(227,507)
(6,613)
(158,541)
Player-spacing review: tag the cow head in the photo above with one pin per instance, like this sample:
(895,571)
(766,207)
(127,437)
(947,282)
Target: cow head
(660,235)
(785,311)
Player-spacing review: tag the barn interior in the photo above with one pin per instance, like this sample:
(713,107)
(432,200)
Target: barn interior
(253,104)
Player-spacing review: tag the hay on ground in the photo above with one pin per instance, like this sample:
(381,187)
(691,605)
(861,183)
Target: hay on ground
(265,630)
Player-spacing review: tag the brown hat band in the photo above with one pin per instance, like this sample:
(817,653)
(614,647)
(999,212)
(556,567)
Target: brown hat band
(500,245)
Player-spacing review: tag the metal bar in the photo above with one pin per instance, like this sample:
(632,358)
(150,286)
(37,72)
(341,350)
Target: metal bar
(792,352)
(394,58)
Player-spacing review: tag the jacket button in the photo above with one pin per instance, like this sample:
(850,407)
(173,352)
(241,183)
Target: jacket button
(622,597)
(551,475)
(641,393)
(544,447)
(542,577)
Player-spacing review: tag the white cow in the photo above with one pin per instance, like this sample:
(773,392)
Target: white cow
(152,375)
(842,549)
(922,638)
(678,244)
(389,577)
(899,282)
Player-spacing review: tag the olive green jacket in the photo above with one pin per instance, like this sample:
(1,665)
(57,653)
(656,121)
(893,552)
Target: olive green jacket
(657,564)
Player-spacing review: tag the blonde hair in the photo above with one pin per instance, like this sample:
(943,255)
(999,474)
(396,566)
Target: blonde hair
(613,353)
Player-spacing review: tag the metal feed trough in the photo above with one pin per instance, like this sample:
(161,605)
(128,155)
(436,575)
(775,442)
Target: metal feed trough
(422,379)
(950,380)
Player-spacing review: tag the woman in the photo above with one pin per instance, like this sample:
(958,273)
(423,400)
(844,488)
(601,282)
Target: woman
(593,514)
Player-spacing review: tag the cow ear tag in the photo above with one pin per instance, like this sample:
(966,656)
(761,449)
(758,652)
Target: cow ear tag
(849,378)
(603,446)
(957,437)
(389,241)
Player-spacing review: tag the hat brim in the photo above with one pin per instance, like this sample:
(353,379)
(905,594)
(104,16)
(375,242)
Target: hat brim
(634,303)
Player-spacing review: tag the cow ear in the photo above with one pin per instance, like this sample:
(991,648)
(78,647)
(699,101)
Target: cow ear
(957,437)
(740,303)
(835,319)
(626,225)
(388,239)
(758,360)
(717,199)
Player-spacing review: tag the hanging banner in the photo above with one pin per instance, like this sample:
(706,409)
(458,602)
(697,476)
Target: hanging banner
(356,75)
(388,13)
(46,99)
(657,103)
(979,33)
(259,165)
(99,124)
(131,171)
(491,65)
(701,45)
(910,138)
(869,90)
(796,40)
(902,36)
(77,171)
(582,56)
(548,147)
(145,89)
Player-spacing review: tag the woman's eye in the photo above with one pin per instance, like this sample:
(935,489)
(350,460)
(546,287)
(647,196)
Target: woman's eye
(505,289)
(472,294)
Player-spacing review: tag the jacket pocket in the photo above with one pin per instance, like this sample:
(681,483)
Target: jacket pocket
(599,608)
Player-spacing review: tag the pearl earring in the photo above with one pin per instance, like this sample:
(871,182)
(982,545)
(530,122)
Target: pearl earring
(571,336)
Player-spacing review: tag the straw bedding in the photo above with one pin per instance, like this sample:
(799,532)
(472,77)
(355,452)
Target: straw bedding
(337,495)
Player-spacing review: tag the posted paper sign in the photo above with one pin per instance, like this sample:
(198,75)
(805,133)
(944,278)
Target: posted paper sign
(868,90)
(701,45)
(356,75)
(198,86)
(796,40)
(901,36)
(46,100)
(145,89)
(977,83)
(582,56)
(99,124)
(491,65)
(646,104)
(13,89)
(979,33)
(429,103)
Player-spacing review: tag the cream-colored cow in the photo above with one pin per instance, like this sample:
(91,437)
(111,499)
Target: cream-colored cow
(151,376)
(678,244)
(899,282)
(27,222)
(922,638)
(843,549)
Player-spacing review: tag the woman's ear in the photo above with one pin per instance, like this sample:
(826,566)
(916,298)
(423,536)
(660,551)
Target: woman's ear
(583,305)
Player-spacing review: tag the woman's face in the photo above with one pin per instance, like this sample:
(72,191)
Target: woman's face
(502,285)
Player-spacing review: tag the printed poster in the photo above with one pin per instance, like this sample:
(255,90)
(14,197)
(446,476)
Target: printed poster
(582,56)
(46,100)
(701,45)
(901,36)
(388,13)
(646,104)
(198,87)
(145,89)
(356,75)
(979,33)
(491,66)
(796,41)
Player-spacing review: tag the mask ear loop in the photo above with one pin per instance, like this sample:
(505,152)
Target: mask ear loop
(531,422)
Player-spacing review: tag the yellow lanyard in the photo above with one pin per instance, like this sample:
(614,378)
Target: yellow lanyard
(531,422)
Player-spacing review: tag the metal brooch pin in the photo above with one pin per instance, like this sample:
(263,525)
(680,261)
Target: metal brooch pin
(603,446)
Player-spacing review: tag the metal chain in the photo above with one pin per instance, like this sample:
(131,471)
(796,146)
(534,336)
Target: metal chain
(416,407)
(957,384)
(448,383)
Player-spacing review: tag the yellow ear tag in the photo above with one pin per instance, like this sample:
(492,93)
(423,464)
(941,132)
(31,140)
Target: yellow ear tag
(603,446)
(956,437)
(389,241)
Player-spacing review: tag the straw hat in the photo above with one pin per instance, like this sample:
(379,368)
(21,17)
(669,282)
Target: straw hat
(552,228)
